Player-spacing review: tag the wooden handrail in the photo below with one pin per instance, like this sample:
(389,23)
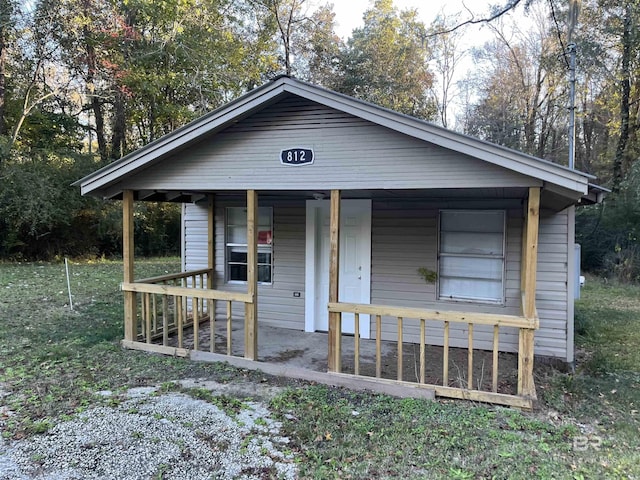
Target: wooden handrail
(173,276)
(187,292)
(450,316)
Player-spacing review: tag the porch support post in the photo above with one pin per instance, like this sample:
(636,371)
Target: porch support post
(251,309)
(211,235)
(529,268)
(335,334)
(130,330)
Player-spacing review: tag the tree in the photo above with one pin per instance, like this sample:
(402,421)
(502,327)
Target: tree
(522,91)
(385,61)
(446,57)
(7,18)
(320,52)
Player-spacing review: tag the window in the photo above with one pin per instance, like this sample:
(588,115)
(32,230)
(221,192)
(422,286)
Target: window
(471,255)
(236,244)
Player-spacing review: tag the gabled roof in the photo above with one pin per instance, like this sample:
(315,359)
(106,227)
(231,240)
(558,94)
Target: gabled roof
(557,177)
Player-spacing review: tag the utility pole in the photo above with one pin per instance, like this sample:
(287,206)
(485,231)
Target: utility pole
(574,10)
(572,104)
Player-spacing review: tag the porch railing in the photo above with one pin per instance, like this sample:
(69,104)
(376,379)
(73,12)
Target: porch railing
(171,304)
(525,389)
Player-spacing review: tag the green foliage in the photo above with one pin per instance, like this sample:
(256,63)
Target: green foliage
(230,405)
(610,233)
(429,275)
(384,62)
(40,212)
(43,216)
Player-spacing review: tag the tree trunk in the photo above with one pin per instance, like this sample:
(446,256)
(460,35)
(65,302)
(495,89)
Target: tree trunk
(118,145)
(5,19)
(96,105)
(623,140)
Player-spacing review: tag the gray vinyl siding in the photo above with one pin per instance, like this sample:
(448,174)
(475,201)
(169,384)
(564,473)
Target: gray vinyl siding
(404,238)
(551,286)
(276,304)
(350,153)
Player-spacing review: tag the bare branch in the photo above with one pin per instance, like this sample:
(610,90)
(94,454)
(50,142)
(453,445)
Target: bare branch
(474,21)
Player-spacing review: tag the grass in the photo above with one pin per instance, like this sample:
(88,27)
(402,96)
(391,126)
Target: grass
(53,362)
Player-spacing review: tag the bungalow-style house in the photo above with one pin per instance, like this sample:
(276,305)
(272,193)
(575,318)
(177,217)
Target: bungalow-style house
(315,211)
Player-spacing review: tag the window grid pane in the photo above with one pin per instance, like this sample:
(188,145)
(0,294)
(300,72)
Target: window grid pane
(471,257)
(236,242)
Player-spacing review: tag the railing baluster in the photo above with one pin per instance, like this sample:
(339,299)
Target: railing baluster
(165,320)
(212,326)
(459,388)
(155,314)
(445,356)
(141,316)
(182,282)
(422,350)
(147,315)
(378,346)
(180,321)
(194,300)
(175,312)
(470,355)
(356,339)
(400,338)
(495,358)
(228,327)
(196,325)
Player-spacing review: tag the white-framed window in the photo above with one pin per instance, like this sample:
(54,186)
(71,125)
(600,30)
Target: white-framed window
(471,251)
(236,244)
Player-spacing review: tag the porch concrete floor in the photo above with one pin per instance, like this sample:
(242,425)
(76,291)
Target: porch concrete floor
(300,349)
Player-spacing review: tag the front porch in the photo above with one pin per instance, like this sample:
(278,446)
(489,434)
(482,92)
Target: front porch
(172,314)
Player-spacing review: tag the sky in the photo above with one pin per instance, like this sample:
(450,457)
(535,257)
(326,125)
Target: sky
(349,16)
(349,12)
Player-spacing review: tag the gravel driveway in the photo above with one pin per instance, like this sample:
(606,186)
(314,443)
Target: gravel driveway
(155,435)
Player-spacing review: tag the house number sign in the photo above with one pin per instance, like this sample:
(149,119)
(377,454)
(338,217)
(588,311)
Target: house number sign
(296,156)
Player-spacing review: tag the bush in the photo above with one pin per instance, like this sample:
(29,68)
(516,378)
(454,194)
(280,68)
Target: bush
(610,233)
(42,216)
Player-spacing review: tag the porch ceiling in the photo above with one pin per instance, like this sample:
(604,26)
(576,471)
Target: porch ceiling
(550,199)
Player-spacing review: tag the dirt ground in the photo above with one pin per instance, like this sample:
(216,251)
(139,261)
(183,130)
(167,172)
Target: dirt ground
(309,350)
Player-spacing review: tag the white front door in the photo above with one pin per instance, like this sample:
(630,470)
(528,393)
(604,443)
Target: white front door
(355,262)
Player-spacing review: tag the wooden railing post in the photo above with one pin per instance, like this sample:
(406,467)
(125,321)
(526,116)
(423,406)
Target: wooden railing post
(211,241)
(211,263)
(251,309)
(335,336)
(130,328)
(529,268)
